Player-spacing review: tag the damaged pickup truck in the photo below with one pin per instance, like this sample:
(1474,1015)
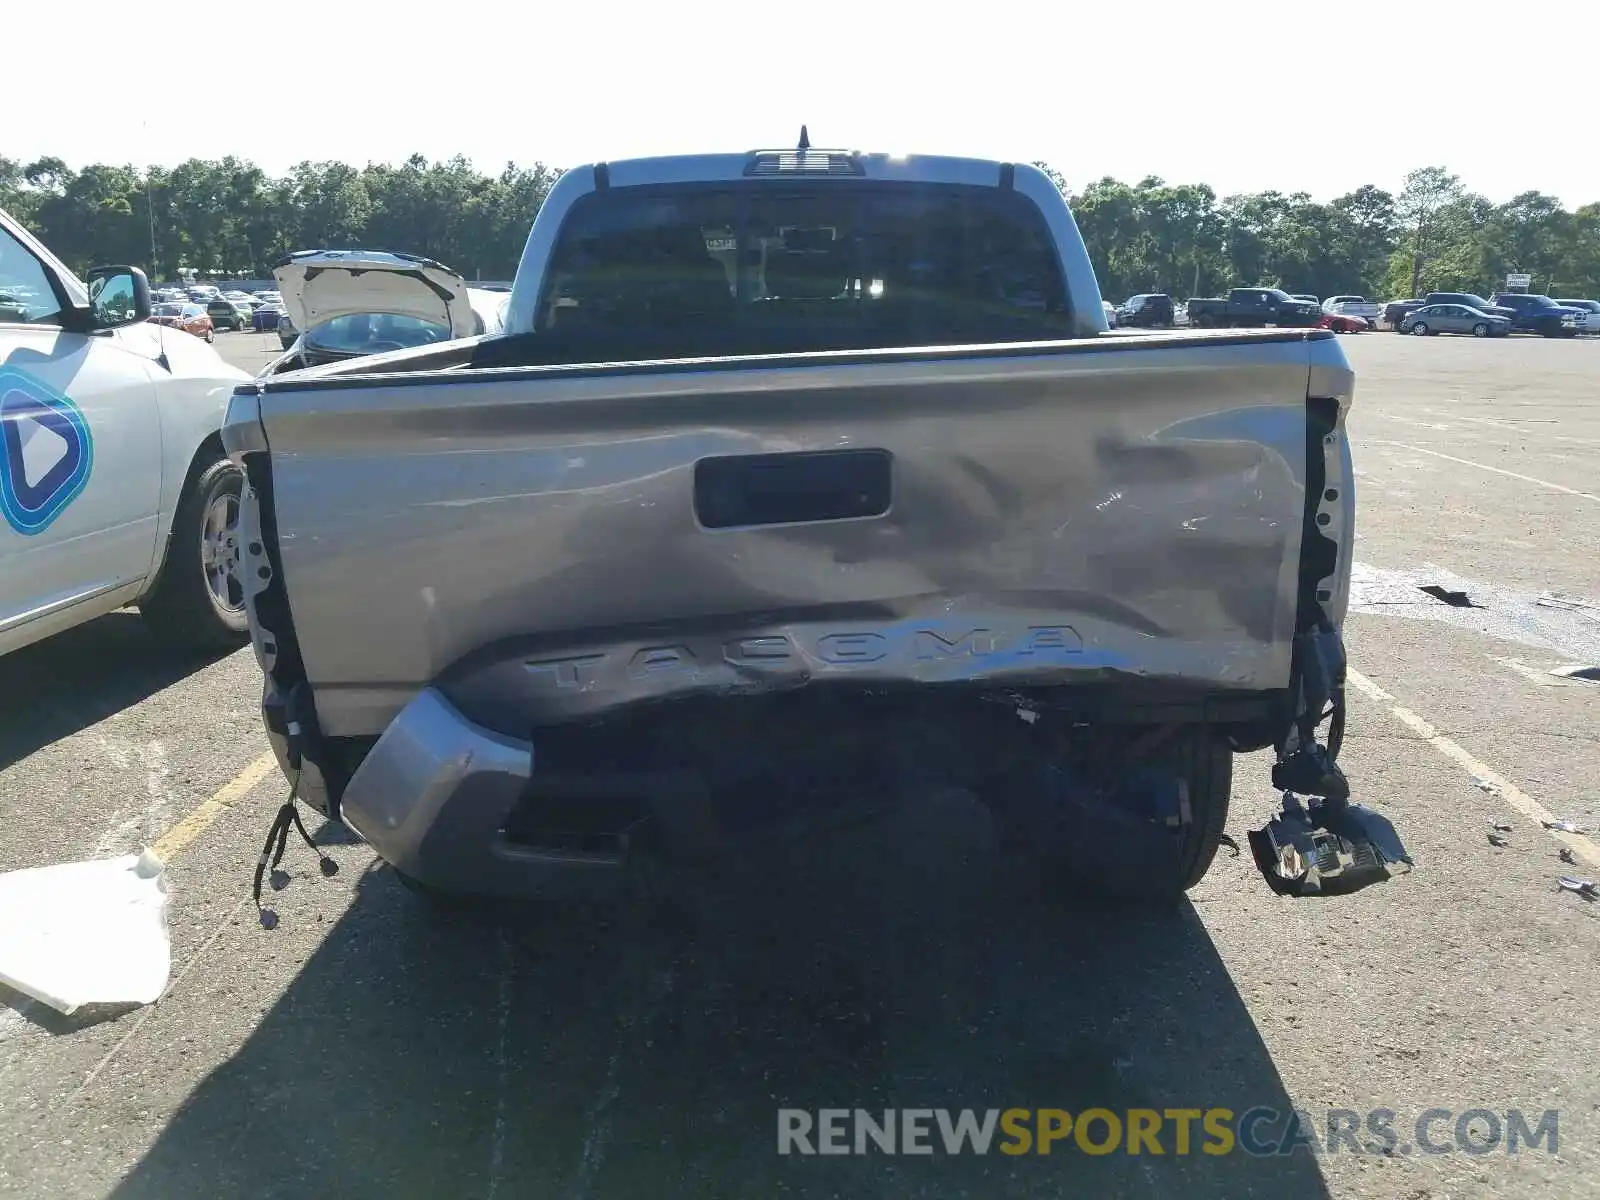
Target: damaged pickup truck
(801,483)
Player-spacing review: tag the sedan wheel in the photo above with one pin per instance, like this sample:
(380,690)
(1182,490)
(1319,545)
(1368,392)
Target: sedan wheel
(219,552)
(198,601)
(1419,330)
(1480,330)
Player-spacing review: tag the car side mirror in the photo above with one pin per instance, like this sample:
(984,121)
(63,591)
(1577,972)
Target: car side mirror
(117,296)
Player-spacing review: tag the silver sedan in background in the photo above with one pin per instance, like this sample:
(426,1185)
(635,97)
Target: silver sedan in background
(1453,318)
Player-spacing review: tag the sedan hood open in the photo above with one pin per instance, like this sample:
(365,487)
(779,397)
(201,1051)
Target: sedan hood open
(321,285)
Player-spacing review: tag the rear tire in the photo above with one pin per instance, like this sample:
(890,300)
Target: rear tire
(184,611)
(1209,773)
(1210,789)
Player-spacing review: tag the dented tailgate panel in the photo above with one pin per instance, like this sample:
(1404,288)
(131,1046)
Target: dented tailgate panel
(530,538)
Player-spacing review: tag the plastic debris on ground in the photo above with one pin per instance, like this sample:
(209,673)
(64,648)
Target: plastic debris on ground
(1583,887)
(86,932)
(1498,839)
(1564,826)
(1583,672)
(1565,855)
(1351,848)
(1485,786)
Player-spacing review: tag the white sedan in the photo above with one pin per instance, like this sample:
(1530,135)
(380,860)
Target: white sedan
(114,488)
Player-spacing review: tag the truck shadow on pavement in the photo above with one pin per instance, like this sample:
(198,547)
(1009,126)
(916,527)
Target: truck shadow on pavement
(902,966)
(54,688)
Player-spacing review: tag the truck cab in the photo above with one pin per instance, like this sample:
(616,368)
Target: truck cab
(1253,308)
(1539,314)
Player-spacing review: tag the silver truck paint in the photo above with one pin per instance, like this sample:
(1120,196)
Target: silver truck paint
(1138,498)
(524,552)
(453,563)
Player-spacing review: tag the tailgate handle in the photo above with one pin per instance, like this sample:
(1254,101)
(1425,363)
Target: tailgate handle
(784,489)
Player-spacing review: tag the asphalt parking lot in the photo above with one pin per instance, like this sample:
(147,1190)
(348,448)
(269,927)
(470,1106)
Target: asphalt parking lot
(368,1047)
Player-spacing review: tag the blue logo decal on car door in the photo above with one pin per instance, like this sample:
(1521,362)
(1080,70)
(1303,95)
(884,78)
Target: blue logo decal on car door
(45,451)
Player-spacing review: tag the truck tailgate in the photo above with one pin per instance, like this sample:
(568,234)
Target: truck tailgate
(546,543)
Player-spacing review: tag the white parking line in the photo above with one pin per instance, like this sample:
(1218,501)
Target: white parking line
(1518,799)
(1467,462)
(1434,425)
(1522,428)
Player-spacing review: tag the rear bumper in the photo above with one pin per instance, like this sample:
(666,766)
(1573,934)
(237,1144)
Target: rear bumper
(432,798)
(464,809)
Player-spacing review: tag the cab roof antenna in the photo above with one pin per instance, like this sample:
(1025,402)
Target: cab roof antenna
(805,139)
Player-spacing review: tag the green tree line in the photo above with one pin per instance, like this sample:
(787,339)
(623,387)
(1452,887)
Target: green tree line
(230,217)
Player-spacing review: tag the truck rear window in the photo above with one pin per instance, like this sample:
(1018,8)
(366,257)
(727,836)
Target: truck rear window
(763,267)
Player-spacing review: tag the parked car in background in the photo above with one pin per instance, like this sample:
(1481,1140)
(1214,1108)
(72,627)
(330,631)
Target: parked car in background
(343,304)
(1540,314)
(266,315)
(1340,323)
(13,307)
(228,314)
(287,333)
(1395,311)
(202,293)
(1470,300)
(1589,313)
(1148,310)
(1306,296)
(1454,318)
(191,318)
(1354,306)
(1113,317)
(1245,308)
(114,488)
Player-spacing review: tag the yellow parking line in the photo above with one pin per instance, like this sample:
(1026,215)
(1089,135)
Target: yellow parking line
(1518,799)
(199,819)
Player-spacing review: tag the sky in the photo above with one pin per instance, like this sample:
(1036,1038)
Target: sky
(1242,95)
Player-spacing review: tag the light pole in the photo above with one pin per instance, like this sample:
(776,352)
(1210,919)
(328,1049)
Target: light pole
(150,207)
(150,199)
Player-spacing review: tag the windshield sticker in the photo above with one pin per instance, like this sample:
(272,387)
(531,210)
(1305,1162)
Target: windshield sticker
(47,452)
